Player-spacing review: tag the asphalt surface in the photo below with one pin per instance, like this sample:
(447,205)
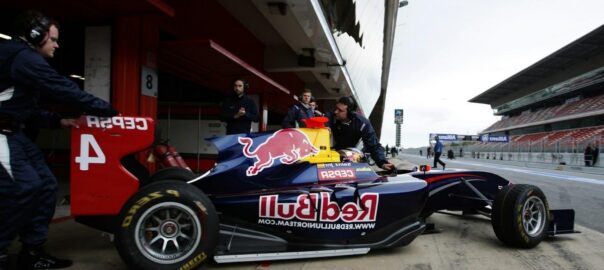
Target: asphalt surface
(463,243)
(581,191)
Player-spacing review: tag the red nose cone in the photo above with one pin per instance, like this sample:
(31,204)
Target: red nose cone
(315,122)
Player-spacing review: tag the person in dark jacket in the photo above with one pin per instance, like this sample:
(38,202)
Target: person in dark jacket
(595,155)
(297,112)
(239,111)
(28,189)
(348,127)
(438,151)
(588,156)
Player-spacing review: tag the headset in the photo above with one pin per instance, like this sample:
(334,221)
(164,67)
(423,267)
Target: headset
(39,26)
(349,102)
(246,85)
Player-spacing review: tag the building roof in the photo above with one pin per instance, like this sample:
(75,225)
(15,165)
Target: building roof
(588,46)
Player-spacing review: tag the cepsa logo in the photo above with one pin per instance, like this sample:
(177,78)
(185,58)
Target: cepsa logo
(336,174)
(306,206)
(121,122)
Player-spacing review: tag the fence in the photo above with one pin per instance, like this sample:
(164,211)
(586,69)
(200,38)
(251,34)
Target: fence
(565,151)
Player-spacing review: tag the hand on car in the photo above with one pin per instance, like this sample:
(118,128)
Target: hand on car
(69,123)
(388,166)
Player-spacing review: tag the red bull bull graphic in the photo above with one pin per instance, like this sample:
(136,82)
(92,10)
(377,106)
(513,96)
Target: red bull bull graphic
(287,145)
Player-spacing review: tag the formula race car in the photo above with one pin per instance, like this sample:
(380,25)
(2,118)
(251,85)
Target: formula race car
(277,195)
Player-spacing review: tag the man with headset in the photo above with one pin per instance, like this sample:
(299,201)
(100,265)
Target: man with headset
(299,111)
(240,110)
(348,128)
(28,188)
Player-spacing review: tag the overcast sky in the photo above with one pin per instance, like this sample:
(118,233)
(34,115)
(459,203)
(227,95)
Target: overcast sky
(447,52)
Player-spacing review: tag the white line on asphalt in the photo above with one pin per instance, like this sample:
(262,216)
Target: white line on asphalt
(547,174)
(527,171)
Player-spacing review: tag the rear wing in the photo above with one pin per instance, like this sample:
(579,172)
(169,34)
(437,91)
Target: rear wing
(100,185)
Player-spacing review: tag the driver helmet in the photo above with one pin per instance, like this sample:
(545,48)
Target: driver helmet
(351,155)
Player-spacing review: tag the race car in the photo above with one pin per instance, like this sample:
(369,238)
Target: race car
(277,195)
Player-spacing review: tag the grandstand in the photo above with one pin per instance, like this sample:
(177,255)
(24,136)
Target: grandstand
(552,110)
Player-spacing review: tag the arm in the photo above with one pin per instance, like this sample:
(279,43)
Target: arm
(371,143)
(373,146)
(31,69)
(43,119)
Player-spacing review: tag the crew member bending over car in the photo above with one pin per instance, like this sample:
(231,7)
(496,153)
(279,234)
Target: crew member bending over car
(28,189)
(348,127)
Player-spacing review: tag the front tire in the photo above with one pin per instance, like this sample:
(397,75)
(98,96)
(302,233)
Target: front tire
(167,225)
(520,216)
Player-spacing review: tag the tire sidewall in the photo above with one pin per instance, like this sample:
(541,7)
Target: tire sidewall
(160,192)
(498,215)
(507,215)
(523,238)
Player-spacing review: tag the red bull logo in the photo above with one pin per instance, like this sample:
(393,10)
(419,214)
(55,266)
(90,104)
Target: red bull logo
(319,207)
(288,145)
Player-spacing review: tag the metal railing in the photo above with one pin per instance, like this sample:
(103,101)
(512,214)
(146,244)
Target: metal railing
(565,151)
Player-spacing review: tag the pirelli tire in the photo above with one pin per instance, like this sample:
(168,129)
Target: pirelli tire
(170,173)
(167,225)
(520,216)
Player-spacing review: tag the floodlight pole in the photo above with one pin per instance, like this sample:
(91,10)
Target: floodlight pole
(398,135)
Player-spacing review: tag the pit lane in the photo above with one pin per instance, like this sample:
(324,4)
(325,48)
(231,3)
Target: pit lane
(462,243)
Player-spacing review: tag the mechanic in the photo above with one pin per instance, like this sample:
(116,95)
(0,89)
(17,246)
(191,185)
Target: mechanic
(299,111)
(240,110)
(348,127)
(28,188)
(438,150)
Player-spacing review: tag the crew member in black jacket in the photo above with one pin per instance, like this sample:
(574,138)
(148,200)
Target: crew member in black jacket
(28,189)
(240,110)
(348,127)
(299,111)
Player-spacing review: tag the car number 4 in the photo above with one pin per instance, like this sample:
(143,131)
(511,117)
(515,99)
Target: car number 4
(84,159)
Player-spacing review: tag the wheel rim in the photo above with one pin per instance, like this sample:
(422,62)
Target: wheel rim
(168,232)
(533,216)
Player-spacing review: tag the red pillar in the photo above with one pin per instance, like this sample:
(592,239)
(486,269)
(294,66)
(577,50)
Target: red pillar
(149,52)
(135,44)
(126,65)
(136,41)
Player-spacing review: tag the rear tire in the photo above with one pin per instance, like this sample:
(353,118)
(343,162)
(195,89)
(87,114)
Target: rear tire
(520,216)
(170,173)
(167,225)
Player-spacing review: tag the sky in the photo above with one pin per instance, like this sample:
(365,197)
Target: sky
(447,52)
